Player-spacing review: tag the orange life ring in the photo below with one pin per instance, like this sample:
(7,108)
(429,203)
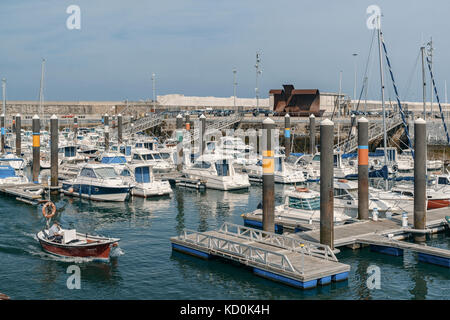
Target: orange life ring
(302,189)
(44,210)
(343,180)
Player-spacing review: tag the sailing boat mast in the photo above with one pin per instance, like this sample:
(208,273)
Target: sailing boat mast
(424,83)
(382,96)
(41,91)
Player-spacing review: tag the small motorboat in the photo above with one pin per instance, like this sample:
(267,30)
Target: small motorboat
(75,244)
(70,243)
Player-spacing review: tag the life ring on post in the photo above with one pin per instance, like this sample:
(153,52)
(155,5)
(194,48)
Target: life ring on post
(45,212)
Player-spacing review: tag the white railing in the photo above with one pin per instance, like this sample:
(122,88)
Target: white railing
(289,243)
(243,252)
(375,131)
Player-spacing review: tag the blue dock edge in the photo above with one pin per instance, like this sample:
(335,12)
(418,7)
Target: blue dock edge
(190,251)
(270,275)
(300,284)
(428,258)
(387,250)
(258,225)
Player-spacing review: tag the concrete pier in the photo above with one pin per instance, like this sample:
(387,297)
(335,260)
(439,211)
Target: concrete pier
(106,123)
(179,143)
(36,129)
(202,133)
(326,183)
(54,132)
(312,134)
(287,135)
(3,132)
(75,128)
(268,166)
(119,128)
(18,135)
(363,169)
(420,180)
(188,122)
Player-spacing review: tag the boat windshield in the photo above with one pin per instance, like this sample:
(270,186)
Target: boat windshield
(157,156)
(106,173)
(147,156)
(305,204)
(165,156)
(291,159)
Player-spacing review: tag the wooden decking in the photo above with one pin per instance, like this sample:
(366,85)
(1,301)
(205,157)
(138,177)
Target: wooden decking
(349,233)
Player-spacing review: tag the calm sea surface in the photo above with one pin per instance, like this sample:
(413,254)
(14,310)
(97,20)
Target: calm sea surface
(146,268)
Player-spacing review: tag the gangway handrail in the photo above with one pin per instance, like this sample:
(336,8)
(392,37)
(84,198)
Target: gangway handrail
(241,250)
(298,245)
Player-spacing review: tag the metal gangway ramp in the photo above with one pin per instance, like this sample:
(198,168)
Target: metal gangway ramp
(375,131)
(291,261)
(211,126)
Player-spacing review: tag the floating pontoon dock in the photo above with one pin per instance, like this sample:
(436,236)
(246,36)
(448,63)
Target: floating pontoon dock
(295,262)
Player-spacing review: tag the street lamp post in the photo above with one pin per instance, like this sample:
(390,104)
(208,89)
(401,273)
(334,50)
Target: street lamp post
(234,87)
(154,91)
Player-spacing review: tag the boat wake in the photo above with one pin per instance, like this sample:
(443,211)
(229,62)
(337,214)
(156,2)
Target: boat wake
(116,252)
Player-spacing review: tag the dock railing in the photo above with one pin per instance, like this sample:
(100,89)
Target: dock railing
(285,242)
(244,253)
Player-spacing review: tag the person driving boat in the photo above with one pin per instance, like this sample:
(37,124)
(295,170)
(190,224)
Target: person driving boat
(55,233)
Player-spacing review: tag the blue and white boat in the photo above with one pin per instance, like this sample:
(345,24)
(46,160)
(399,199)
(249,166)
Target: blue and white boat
(9,176)
(98,182)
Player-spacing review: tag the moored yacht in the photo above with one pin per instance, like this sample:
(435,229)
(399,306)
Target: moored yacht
(97,182)
(218,172)
(143,180)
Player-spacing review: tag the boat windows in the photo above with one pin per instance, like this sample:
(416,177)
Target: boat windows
(305,204)
(114,159)
(202,165)
(165,156)
(157,156)
(443,180)
(278,164)
(88,172)
(222,168)
(147,156)
(316,157)
(106,173)
(142,174)
(125,173)
(148,145)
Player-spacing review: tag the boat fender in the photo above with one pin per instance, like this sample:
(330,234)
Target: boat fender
(53,210)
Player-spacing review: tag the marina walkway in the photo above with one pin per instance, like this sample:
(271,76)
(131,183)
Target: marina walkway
(295,262)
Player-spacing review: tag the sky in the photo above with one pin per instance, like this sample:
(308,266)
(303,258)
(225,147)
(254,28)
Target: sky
(193,45)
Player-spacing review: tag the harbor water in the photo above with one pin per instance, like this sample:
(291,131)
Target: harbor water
(146,268)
